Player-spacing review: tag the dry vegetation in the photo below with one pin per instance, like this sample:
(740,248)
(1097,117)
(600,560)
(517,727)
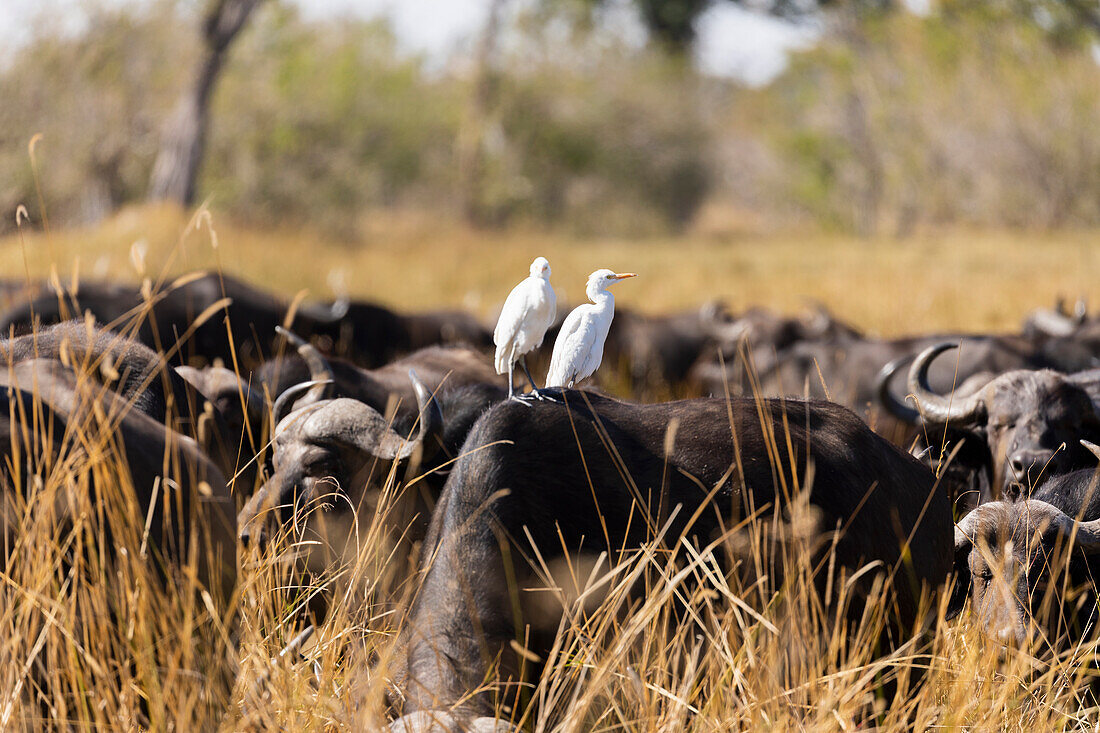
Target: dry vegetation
(698,651)
(980,280)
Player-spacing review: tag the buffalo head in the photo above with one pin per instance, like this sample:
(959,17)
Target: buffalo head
(1013,556)
(1056,321)
(330,458)
(1030,420)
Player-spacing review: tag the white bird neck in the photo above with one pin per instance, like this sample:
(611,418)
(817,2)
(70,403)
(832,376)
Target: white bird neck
(600,296)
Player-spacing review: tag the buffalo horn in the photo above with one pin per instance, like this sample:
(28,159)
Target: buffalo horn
(886,398)
(320,373)
(282,405)
(355,423)
(936,408)
(1086,535)
(1092,448)
(333,313)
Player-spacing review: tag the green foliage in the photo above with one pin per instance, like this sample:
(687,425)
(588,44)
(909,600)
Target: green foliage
(320,121)
(622,149)
(98,100)
(974,115)
(324,121)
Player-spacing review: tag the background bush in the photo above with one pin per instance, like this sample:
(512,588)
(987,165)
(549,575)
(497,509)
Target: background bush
(971,115)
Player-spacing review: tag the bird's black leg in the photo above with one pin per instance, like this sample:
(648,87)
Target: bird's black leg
(534,390)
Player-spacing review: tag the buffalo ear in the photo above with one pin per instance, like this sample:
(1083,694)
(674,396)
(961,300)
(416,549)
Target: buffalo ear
(960,584)
(960,588)
(968,472)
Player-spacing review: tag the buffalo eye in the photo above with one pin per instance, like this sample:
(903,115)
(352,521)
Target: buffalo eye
(323,465)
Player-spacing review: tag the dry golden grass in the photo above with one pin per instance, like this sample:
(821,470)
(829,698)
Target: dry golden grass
(960,280)
(716,669)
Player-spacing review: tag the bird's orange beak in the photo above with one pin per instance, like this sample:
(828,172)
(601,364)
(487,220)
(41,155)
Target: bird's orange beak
(624,275)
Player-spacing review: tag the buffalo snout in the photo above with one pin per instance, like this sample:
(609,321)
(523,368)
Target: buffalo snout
(1028,463)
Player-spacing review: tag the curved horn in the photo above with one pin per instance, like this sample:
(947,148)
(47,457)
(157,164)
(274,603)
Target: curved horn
(962,539)
(333,313)
(216,383)
(1086,535)
(319,368)
(356,423)
(936,408)
(281,408)
(1091,447)
(339,308)
(967,528)
(320,371)
(430,417)
(886,398)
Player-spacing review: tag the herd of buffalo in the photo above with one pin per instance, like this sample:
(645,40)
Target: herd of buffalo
(926,458)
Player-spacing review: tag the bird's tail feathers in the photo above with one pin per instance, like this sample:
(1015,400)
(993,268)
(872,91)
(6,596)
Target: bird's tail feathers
(505,357)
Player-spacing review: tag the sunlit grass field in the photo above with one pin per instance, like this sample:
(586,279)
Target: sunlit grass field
(627,664)
(956,280)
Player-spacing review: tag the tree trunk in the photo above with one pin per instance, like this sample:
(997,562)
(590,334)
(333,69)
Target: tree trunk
(176,168)
(470,151)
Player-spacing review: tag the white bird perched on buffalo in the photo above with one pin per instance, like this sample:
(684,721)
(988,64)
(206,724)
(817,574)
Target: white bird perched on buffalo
(579,348)
(528,312)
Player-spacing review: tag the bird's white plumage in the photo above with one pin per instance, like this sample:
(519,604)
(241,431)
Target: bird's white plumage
(528,312)
(579,348)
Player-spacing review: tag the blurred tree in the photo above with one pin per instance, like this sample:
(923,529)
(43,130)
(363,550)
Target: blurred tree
(1065,20)
(974,114)
(327,122)
(469,147)
(99,98)
(176,168)
(672,23)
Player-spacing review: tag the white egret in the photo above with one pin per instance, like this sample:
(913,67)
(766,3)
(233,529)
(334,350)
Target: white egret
(579,348)
(528,312)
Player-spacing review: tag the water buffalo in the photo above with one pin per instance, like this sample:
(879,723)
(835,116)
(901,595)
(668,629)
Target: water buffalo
(762,337)
(658,351)
(70,397)
(574,473)
(368,333)
(834,361)
(101,505)
(380,387)
(332,458)
(142,377)
(160,319)
(1055,321)
(1026,422)
(372,335)
(1023,562)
